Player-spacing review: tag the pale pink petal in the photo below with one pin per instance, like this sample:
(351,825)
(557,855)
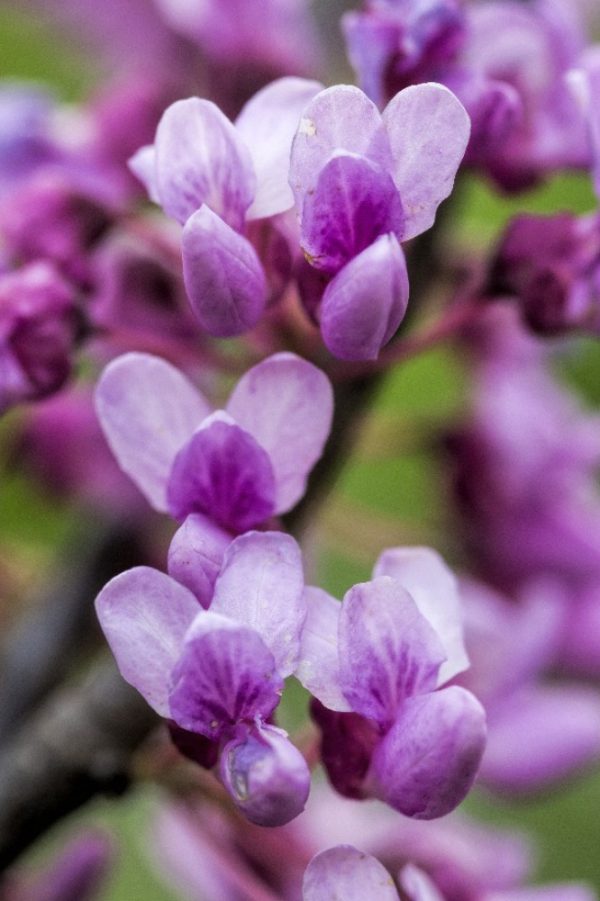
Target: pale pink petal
(541,735)
(148,410)
(286,403)
(143,166)
(426,764)
(200,159)
(365,303)
(428,130)
(261,585)
(196,555)
(417,885)
(319,668)
(433,587)
(348,874)
(145,615)
(339,118)
(268,123)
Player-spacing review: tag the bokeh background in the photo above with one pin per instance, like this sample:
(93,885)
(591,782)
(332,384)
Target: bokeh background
(394,489)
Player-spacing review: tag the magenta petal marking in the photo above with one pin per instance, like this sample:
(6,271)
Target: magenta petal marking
(223,473)
(223,275)
(388,650)
(426,764)
(225,675)
(355,202)
(145,615)
(366,301)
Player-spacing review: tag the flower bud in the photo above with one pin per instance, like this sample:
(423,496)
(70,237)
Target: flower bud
(266,776)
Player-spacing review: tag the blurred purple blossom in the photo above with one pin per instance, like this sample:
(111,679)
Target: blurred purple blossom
(505,60)
(38,329)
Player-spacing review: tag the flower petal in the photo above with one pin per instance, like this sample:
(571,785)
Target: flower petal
(339,118)
(432,586)
(147,410)
(196,555)
(344,872)
(539,736)
(268,123)
(427,762)
(145,615)
(223,473)
(286,403)
(261,585)
(223,276)
(347,744)
(200,159)
(388,650)
(354,203)
(143,166)
(417,885)
(366,301)
(225,675)
(428,130)
(319,667)
(266,775)
(566,891)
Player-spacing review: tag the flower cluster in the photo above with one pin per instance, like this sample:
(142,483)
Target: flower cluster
(361,182)
(205,273)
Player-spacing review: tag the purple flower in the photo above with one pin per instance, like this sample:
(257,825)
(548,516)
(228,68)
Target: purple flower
(38,328)
(237,466)
(25,133)
(219,672)
(62,445)
(50,218)
(213,178)
(138,291)
(395,44)
(377,665)
(506,61)
(538,733)
(551,266)
(76,874)
(363,182)
(286,40)
(347,873)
